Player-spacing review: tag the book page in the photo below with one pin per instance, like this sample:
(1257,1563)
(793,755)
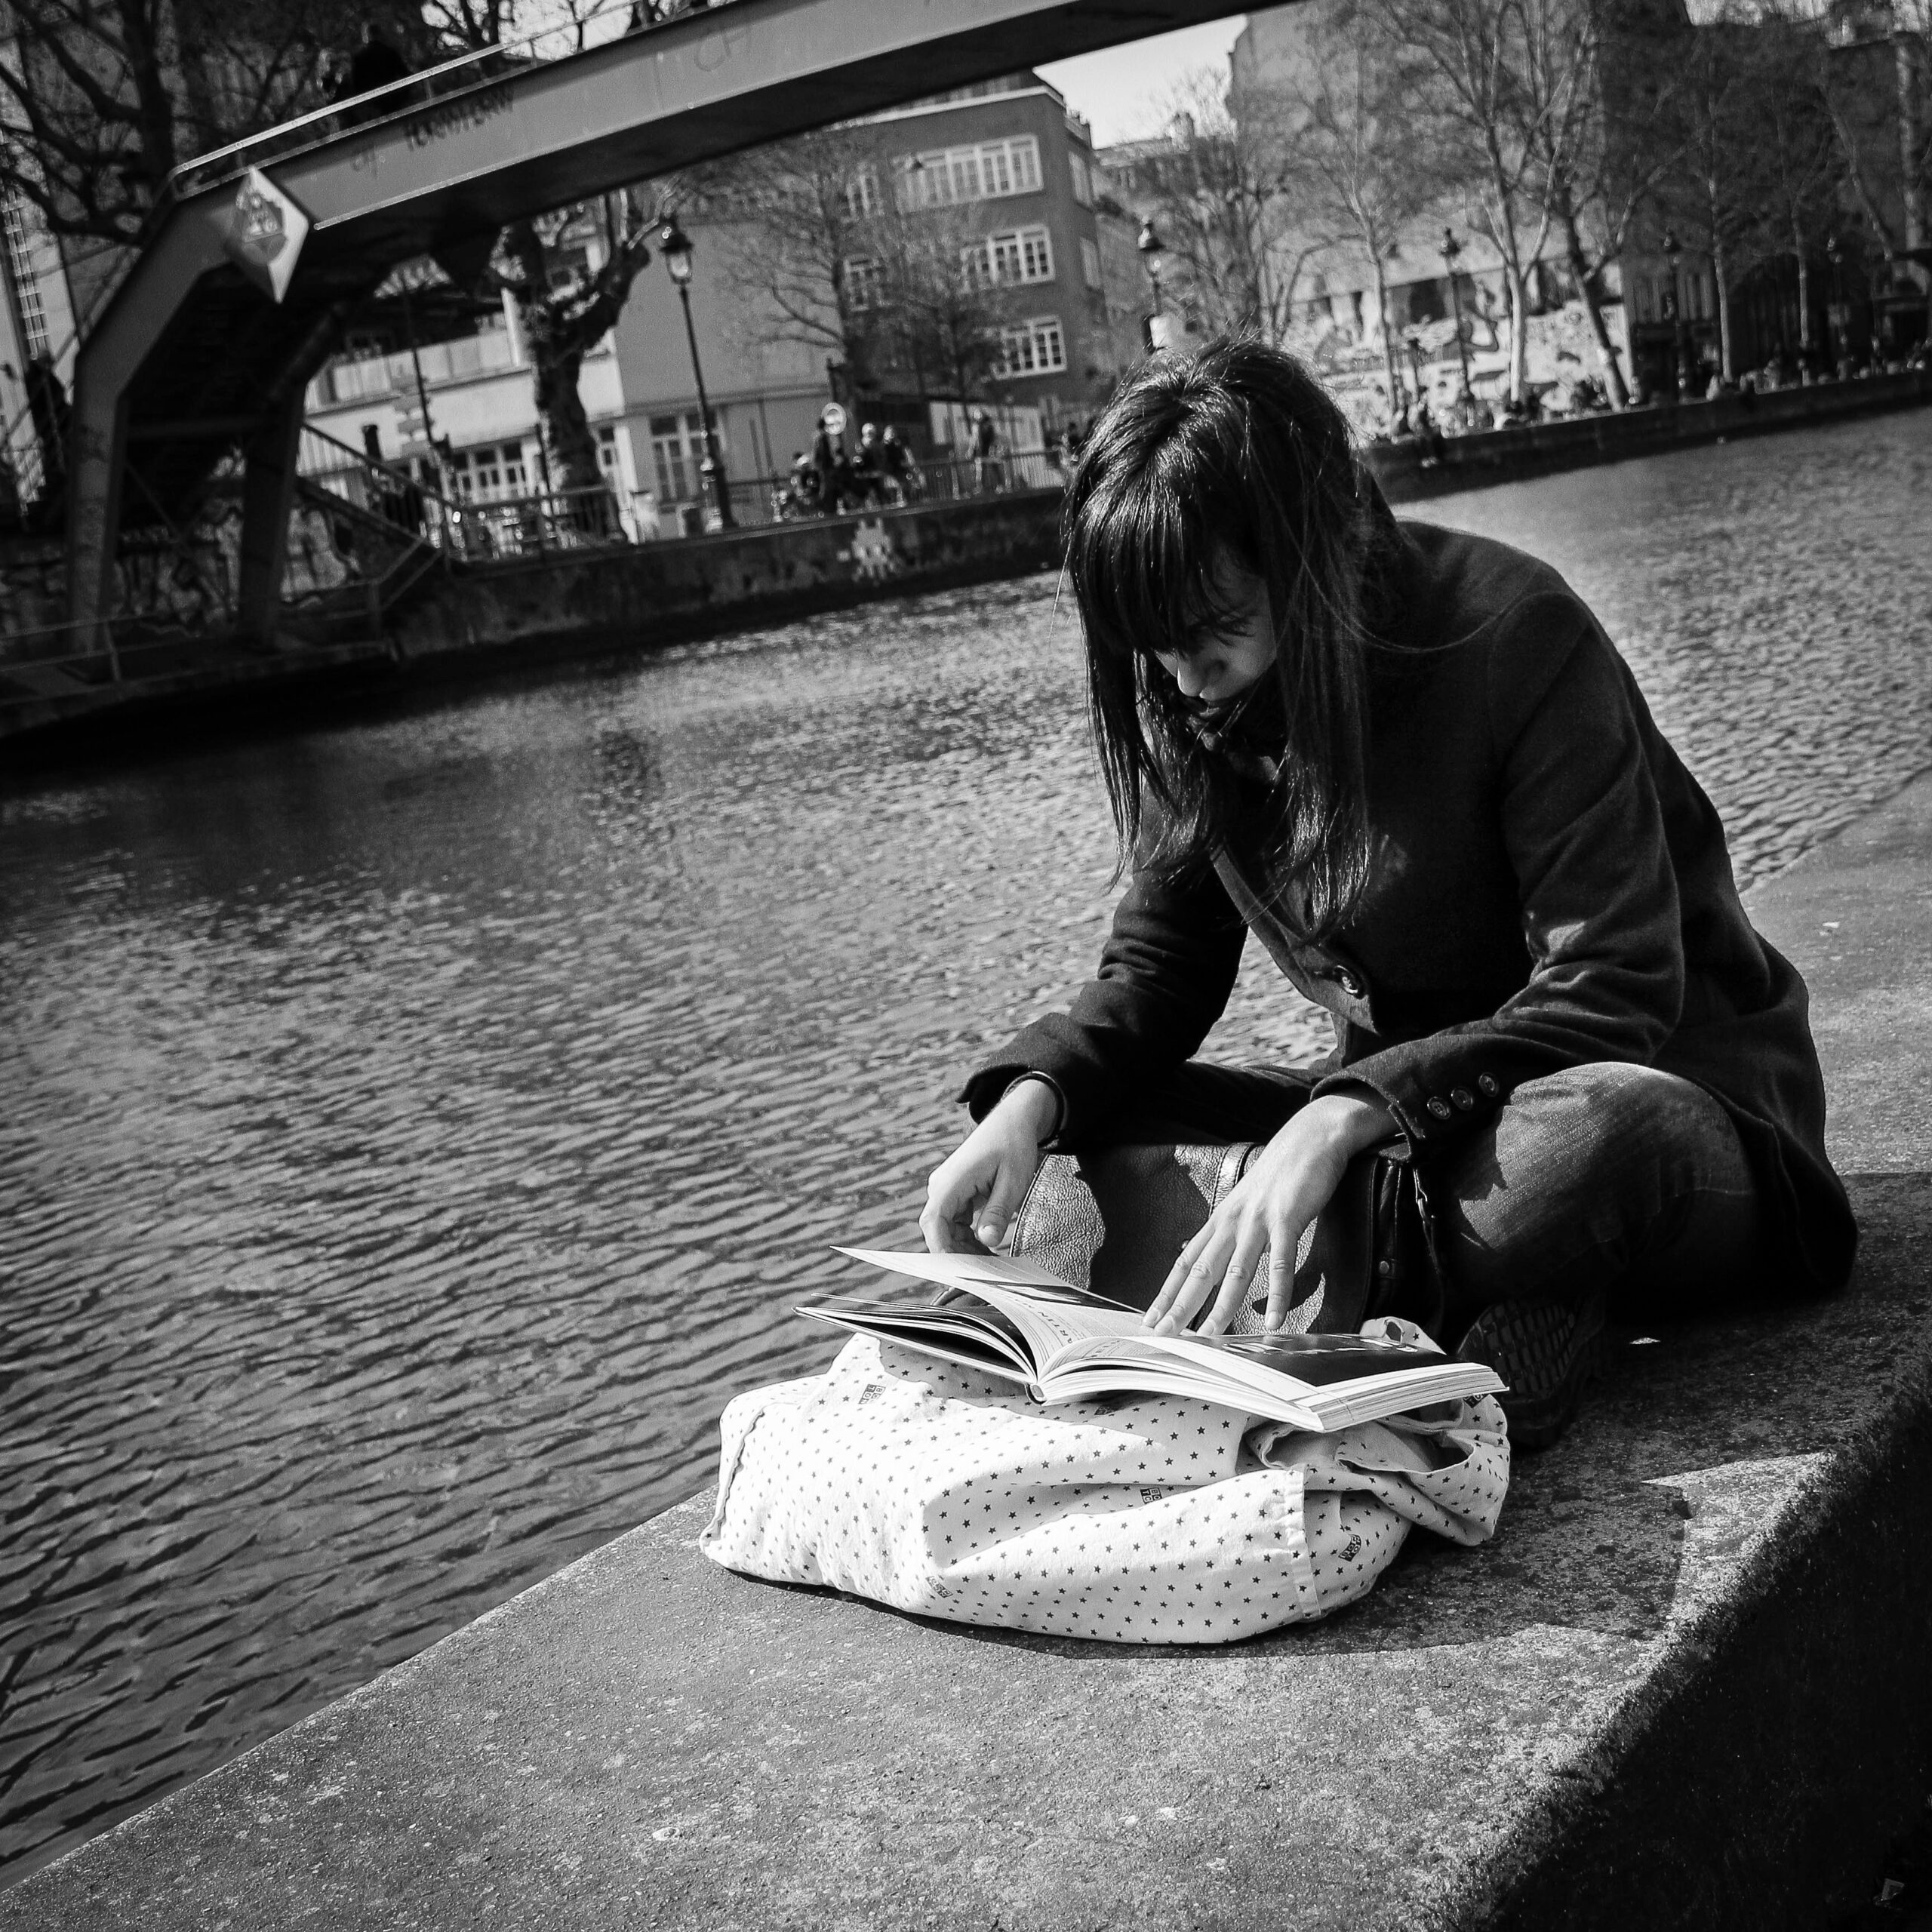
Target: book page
(961,1270)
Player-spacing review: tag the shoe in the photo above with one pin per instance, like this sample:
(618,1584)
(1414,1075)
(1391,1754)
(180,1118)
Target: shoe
(1546,1347)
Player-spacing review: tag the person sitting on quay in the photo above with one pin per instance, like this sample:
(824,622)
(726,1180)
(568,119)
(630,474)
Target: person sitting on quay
(375,64)
(1412,762)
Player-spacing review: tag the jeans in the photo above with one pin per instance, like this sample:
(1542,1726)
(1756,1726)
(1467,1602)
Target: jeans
(1605,1176)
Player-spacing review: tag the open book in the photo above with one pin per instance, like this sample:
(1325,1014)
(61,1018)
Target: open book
(1010,1318)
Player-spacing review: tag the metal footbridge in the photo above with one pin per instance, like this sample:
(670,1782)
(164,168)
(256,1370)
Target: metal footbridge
(193,357)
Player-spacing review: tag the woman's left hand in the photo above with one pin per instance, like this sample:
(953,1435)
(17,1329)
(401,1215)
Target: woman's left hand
(1293,1178)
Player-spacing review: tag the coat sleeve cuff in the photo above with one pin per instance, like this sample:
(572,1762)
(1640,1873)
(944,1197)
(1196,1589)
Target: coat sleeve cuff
(1432,1116)
(991,1084)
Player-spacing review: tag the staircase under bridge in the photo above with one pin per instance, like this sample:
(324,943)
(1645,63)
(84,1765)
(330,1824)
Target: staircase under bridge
(191,377)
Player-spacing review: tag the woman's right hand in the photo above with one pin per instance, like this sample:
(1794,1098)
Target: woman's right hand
(975,1191)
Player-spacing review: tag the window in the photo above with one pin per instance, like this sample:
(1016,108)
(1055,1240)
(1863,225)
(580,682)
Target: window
(942,176)
(1014,255)
(677,448)
(862,191)
(862,281)
(1090,263)
(1083,180)
(25,278)
(1034,348)
(490,474)
(608,464)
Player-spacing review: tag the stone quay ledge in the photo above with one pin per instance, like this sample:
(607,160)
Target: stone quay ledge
(1687,1685)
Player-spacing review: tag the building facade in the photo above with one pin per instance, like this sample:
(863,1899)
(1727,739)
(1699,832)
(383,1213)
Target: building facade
(1010,173)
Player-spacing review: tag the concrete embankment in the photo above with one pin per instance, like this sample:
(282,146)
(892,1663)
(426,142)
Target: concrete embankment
(1410,473)
(1687,1686)
(584,604)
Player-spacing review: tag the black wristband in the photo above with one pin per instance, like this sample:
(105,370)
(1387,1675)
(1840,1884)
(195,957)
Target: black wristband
(1052,1086)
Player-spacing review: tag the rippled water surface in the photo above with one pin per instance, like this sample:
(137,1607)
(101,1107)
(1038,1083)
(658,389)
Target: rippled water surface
(416,1128)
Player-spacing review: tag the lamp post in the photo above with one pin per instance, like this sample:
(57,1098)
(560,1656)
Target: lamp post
(676,247)
(1672,248)
(1154,256)
(1451,249)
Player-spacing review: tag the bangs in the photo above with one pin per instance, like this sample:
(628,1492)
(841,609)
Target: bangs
(1144,545)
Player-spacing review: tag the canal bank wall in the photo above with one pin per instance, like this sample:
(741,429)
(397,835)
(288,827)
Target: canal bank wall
(1412,472)
(652,594)
(1686,1685)
(661,593)
(514,612)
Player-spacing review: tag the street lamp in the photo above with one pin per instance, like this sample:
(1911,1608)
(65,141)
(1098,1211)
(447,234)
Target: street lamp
(1154,255)
(1451,249)
(674,245)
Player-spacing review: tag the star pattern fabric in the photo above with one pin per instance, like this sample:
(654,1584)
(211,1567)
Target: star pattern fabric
(1138,1519)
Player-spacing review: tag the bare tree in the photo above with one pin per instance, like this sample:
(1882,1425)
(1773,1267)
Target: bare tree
(937,307)
(796,220)
(1598,124)
(1875,136)
(565,309)
(1799,152)
(101,99)
(569,273)
(823,249)
(1352,172)
(1715,187)
(1216,199)
(1505,89)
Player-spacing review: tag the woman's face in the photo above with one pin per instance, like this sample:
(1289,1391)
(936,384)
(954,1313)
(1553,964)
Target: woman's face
(1219,665)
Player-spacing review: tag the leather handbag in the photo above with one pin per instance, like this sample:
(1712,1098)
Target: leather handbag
(1113,1220)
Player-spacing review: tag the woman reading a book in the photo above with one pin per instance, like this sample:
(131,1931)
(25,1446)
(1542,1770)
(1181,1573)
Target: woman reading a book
(1411,762)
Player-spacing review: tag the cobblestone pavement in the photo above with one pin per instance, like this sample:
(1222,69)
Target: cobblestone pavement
(418,1127)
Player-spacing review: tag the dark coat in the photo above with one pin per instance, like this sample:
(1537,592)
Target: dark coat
(1550,887)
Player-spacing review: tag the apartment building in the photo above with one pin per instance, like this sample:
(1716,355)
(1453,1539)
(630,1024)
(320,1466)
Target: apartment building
(1013,170)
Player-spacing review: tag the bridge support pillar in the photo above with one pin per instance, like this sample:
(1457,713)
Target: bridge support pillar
(96,451)
(268,496)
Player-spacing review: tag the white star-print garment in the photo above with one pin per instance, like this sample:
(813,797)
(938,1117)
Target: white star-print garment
(1146,1519)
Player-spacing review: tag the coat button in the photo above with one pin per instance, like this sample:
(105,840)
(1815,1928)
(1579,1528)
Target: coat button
(1440,1109)
(1486,1081)
(1350,984)
(1462,1097)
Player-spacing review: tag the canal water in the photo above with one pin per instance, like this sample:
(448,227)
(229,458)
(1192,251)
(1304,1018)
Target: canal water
(416,1127)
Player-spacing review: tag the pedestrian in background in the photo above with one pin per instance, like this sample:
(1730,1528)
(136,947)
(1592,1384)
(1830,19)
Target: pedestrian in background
(869,467)
(987,476)
(902,475)
(374,64)
(825,468)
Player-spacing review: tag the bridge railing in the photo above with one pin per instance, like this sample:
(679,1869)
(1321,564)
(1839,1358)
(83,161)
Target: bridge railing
(466,529)
(758,502)
(607,20)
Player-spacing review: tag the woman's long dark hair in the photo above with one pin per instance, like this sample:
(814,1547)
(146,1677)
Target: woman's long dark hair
(1237,455)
